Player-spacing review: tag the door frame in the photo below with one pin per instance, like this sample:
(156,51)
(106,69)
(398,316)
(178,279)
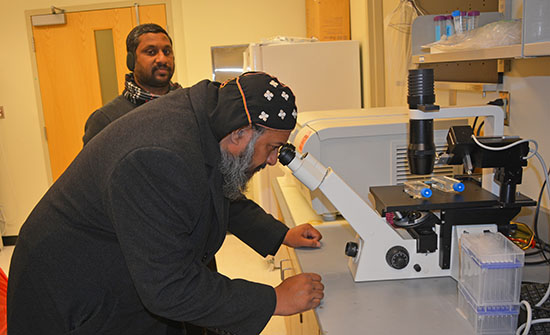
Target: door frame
(79,8)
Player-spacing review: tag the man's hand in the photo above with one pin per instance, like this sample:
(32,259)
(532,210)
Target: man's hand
(303,235)
(298,294)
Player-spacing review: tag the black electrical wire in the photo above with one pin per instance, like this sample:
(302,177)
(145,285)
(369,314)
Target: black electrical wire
(536,263)
(545,257)
(534,253)
(545,261)
(541,244)
(542,247)
(537,211)
(479,128)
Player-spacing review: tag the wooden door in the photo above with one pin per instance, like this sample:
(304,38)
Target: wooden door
(68,72)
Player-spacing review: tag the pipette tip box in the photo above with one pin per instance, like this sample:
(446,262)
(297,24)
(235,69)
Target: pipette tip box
(491,268)
(488,320)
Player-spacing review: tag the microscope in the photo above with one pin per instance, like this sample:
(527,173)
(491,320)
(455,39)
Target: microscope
(403,237)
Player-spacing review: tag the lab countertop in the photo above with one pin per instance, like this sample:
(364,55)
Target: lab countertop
(411,306)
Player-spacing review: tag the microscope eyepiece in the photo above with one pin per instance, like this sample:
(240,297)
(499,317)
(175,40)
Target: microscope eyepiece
(287,153)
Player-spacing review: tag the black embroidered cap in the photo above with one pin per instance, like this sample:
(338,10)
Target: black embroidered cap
(254,98)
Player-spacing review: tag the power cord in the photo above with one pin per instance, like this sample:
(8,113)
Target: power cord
(529,322)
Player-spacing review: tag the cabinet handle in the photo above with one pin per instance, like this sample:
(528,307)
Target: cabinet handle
(280,263)
(283,273)
(281,269)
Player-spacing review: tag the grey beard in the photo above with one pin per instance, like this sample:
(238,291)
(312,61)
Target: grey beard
(235,170)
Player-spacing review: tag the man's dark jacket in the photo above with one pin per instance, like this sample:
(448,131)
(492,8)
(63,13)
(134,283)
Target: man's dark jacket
(102,117)
(119,243)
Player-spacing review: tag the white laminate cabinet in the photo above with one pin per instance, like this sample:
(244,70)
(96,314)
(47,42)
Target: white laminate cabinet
(302,323)
(535,40)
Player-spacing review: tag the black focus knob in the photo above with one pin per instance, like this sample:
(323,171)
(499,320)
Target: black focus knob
(397,257)
(352,249)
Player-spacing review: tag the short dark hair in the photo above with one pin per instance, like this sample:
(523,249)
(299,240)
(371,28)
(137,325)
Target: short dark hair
(132,41)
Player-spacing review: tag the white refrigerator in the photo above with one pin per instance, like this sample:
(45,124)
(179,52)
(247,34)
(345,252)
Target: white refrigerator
(322,75)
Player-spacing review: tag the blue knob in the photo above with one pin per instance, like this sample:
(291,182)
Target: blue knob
(459,187)
(426,192)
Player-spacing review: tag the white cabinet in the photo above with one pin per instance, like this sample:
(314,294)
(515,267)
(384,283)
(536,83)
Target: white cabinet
(535,37)
(302,323)
(536,28)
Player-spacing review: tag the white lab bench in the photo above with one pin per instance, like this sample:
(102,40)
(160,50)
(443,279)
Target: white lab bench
(411,306)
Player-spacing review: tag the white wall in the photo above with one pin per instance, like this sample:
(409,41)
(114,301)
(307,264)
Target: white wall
(367,27)
(209,23)
(196,25)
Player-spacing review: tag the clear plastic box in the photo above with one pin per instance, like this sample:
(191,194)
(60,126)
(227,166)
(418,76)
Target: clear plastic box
(490,268)
(488,320)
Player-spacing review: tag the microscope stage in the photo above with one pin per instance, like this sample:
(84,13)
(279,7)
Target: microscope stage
(393,198)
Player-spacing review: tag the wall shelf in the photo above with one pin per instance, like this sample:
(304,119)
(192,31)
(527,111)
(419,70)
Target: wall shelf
(504,52)
(470,87)
(537,49)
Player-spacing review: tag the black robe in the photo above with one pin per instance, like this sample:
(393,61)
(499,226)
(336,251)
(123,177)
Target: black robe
(119,243)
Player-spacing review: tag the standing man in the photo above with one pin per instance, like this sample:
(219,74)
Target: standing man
(150,58)
(120,242)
